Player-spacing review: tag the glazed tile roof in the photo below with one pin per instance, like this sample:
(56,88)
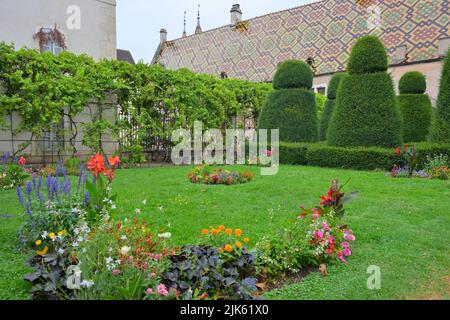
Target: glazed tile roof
(325,31)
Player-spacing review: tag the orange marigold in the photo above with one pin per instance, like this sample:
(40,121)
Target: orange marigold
(221,228)
(238,244)
(228,231)
(238,232)
(215,231)
(228,247)
(205,232)
(246,240)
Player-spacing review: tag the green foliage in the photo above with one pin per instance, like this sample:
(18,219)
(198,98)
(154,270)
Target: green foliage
(413,82)
(368,56)
(293,74)
(366,113)
(329,106)
(293,153)
(441,126)
(12,175)
(294,112)
(416,111)
(321,101)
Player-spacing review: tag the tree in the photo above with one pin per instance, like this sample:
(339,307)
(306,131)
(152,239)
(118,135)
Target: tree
(329,106)
(291,107)
(415,107)
(441,126)
(366,113)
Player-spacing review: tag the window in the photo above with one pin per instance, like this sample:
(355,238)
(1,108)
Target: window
(53,138)
(50,40)
(320,89)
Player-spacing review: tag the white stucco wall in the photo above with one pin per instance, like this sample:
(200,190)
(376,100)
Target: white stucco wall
(21,19)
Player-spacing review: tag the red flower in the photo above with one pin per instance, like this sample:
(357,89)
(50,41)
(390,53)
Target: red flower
(22,161)
(109,174)
(329,252)
(114,161)
(96,164)
(398,151)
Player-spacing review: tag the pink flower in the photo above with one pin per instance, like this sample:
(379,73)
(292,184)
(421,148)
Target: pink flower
(349,237)
(319,234)
(331,239)
(149,291)
(325,226)
(162,290)
(315,216)
(157,257)
(346,252)
(115,272)
(268,153)
(345,244)
(152,275)
(22,161)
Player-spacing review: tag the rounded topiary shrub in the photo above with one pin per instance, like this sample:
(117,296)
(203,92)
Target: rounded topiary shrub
(366,113)
(329,106)
(415,107)
(441,126)
(293,74)
(291,107)
(412,82)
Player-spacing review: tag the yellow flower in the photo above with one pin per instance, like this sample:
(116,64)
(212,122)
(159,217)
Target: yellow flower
(52,235)
(238,232)
(246,240)
(221,228)
(238,244)
(61,233)
(43,252)
(228,231)
(205,232)
(228,247)
(38,242)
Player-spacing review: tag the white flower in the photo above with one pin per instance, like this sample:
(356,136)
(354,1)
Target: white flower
(144,202)
(76,231)
(113,207)
(161,208)
(75,210)
(75,244)
(87,283)
(124,237)
(165,235)
(80,239)
(44,235)
(124,250)
(109,260)
(137,211)
(61,251)
(110,249)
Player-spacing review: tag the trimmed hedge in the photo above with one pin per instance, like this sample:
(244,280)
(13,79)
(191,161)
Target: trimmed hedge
(292,109)
(329,106)
(412,82)
(358,158)
(293,74)
(366,112)
(416,111)
(441,126)
(368,56)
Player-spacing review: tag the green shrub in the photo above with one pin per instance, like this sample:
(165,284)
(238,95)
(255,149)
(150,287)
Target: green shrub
(416,111)
(441,125)
(292,110)
(328,110)
(412,82)
(293,74)
(368,56)
(366,112)
(293,153)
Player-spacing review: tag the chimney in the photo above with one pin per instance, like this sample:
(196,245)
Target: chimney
(236,14)
(163,35)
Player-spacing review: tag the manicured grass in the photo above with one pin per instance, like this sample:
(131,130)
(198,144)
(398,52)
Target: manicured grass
(401,225)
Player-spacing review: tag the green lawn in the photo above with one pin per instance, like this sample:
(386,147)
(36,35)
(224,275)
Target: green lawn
(401,225)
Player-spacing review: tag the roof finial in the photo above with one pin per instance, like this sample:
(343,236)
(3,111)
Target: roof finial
(199,28)
(184,22)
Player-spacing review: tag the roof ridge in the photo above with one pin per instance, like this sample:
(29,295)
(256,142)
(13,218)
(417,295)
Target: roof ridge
(257,17)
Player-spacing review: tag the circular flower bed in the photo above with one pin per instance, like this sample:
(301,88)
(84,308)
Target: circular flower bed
(207,175)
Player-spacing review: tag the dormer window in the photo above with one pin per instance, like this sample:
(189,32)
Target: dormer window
(223,75)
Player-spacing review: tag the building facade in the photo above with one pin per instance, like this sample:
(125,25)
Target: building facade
(79,26)
(415,33)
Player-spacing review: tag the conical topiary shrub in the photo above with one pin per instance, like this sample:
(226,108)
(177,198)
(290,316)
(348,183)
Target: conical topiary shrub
(291,107)
(441,126)
(415,107)
(329,105)
(366,113)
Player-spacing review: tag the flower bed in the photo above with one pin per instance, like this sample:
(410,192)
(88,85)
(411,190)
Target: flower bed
(80,251)
(207,175)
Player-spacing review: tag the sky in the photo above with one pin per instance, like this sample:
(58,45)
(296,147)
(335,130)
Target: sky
(139,21)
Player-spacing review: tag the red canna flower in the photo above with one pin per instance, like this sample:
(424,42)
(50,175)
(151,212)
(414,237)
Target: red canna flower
(114,161)
(96,164)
